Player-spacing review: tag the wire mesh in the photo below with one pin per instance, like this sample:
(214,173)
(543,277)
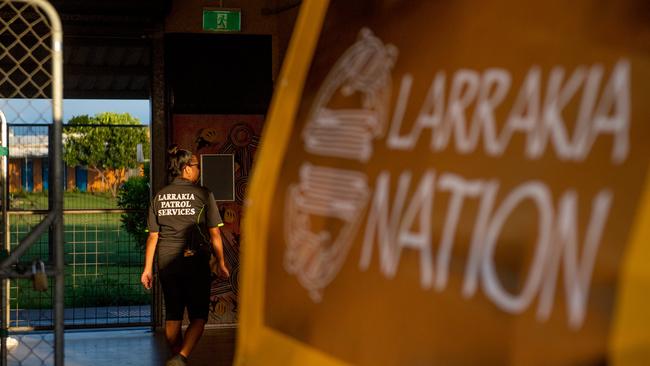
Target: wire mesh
(103,269)
(103,261)
(103,266)
(31,349)
(26,55)
(26,83)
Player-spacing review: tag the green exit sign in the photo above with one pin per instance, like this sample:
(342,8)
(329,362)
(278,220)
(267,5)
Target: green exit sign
(222,20)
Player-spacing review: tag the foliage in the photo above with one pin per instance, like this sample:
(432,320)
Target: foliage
(101,144)
(107,291)
(90,291)
(134,195)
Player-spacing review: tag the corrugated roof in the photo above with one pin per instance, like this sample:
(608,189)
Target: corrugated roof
(106,50)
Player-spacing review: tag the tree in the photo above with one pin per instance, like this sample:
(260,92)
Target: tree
(102,145)
(133,196)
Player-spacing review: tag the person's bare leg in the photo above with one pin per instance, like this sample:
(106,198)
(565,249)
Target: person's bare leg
(192,335)
(174,335)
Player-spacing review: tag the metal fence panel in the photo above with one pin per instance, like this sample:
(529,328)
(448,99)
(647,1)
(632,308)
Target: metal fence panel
(30,90)
(103,262)
(103,267)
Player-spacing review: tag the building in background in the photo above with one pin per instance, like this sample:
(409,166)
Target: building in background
(29,167)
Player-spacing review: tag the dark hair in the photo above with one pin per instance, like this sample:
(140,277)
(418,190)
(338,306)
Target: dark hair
(178,158)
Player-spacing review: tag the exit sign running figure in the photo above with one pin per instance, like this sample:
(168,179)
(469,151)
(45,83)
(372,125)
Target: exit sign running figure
(222,20)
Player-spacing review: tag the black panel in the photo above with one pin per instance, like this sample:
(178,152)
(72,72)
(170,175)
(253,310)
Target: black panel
(218,175)
(218,73)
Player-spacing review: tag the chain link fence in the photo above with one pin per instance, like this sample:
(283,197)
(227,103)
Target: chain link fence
(102,261)
(102,275)
(30,87)
(26,55)
(31,349)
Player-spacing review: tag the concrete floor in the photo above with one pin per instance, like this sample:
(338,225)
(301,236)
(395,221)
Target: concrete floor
(132,347)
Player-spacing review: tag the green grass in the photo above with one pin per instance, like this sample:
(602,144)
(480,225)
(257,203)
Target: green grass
(112,261)
(70,219)
(105,273)
(103,263)
(71,200)
(98,233)
(109,286)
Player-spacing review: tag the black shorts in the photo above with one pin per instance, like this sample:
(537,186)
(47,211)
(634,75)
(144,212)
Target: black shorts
(186,283)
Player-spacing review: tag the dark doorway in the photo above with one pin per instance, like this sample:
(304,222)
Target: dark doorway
(219,88)
(219,74)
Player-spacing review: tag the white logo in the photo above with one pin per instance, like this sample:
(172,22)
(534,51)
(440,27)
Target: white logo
(315,255)
(323,210)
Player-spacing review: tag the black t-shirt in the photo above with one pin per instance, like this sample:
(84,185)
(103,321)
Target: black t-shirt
(180,213)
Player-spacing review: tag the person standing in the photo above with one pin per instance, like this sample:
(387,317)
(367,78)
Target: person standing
(183,227)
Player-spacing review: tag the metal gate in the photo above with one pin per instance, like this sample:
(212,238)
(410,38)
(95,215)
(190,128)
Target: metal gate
(80,239)
(103,260)
(31,88)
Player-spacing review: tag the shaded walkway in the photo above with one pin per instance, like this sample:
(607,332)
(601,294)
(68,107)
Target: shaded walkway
(135,315)
(128,347)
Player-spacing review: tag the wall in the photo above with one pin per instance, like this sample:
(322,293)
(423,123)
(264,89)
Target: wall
(224,134)
(186,17)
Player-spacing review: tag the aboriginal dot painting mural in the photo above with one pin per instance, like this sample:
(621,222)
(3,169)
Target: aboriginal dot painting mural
(224,134)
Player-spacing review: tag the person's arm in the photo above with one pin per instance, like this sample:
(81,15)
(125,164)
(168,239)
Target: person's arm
(150,247)
(213,221)
(150,250)
(217,247)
